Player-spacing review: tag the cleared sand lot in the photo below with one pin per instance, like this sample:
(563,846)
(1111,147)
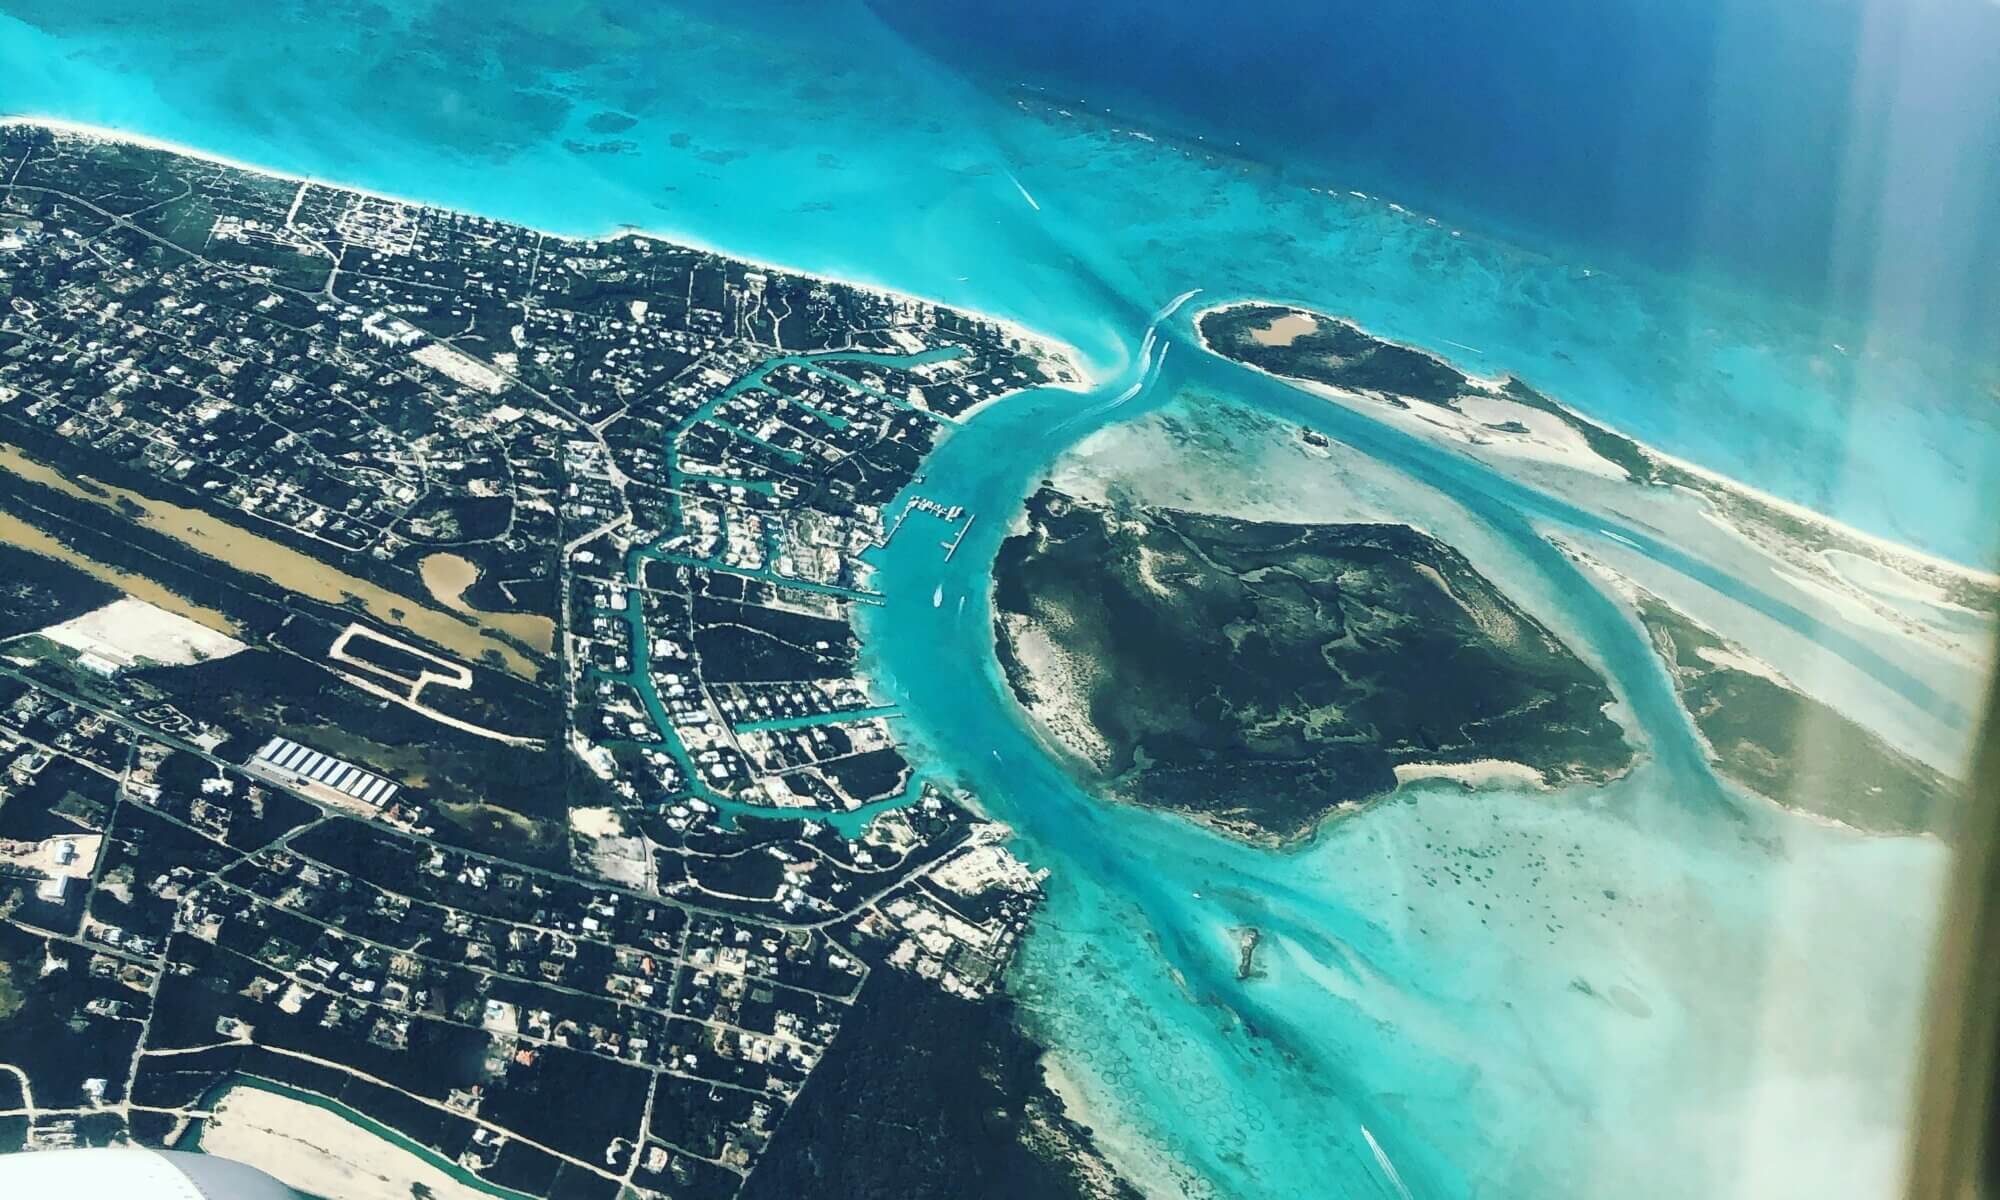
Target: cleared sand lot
(129,631)
(321,1153)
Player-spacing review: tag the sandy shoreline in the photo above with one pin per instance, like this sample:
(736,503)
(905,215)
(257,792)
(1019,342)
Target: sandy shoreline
(1480,773)
(1137,1160)
(320,1152)
(1716,479)
(1076,1106)
(1813,516)
(1084,382)
(1053,347)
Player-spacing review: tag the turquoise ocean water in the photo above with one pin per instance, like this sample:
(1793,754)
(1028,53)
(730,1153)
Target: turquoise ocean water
(1638,991)
(1650,989)
(815,136)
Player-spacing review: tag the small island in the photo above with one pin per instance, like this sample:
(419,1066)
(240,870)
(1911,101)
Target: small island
(1788,747)
(1260,676)
(1296,344)
(1505,421)
(1247,940)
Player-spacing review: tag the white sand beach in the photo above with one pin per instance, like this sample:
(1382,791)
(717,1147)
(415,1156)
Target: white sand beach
(1050,348)
(1569,449)
(319,1153)
(1482,773)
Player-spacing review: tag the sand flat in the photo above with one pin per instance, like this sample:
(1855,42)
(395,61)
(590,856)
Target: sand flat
(129,630)
(1283,331)
(1480,773)
(321,1153)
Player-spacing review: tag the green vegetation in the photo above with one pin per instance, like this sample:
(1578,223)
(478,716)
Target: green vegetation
(928,1097)
(1791,748)
(1340,354)
(36,591)
(504,798)
(1336,353)
(10,995)
(1261,674)
(1614,447)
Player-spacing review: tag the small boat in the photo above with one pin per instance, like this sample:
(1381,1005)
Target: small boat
(937,597)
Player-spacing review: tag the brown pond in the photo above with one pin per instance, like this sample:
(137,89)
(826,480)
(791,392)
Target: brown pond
(290,569)
(448,575)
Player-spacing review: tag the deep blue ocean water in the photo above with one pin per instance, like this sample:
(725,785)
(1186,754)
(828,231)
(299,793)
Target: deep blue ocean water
(1759,233)
(1800,147)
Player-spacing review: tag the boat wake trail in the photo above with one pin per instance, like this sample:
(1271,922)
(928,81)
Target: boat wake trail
(1151,359)
(1025,194)
(1388,1168)
(1173,306)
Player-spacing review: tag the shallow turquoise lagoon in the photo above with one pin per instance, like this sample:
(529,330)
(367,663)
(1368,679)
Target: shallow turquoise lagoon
(1649,989)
